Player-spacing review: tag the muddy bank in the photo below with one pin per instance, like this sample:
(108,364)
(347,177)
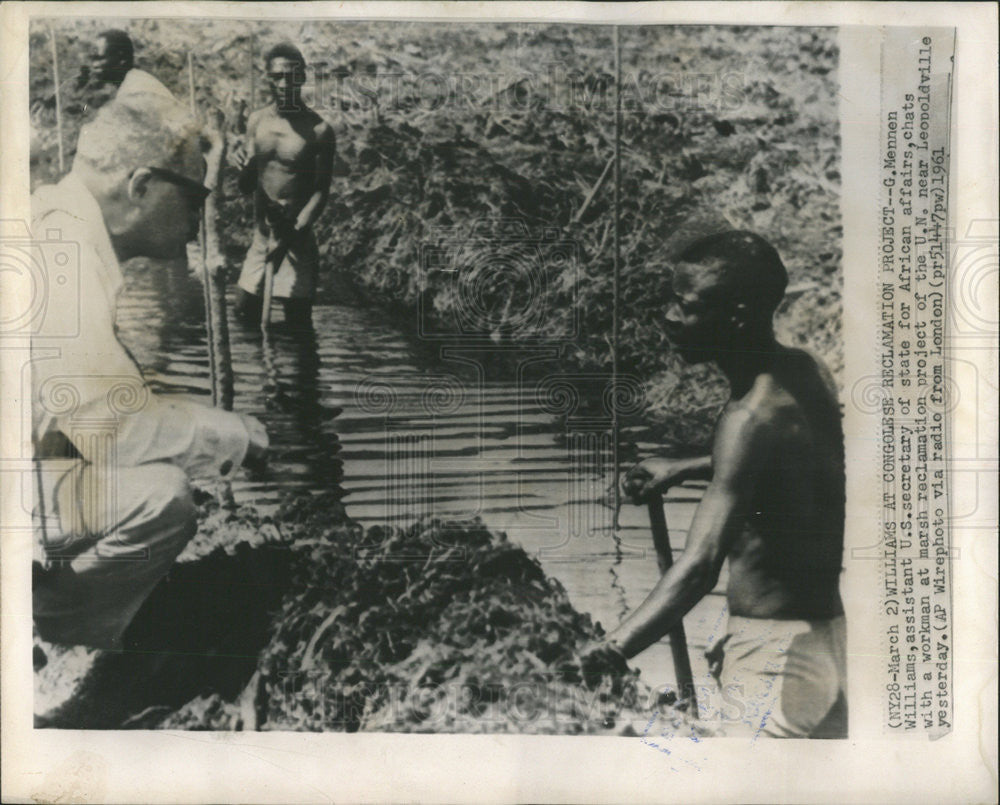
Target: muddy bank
(305,621)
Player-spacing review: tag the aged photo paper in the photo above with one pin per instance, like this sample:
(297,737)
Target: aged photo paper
(515,402)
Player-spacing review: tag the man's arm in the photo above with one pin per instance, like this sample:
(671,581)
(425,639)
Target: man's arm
(91,378)
(244,157)
(326,147)
(203,441)
(654,476)
(740,448)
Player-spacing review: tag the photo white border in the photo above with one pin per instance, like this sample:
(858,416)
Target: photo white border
(81,766)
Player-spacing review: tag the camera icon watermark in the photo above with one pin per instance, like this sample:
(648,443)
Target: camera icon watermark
(499,281)
(43,275)
(975,268)
(80,461)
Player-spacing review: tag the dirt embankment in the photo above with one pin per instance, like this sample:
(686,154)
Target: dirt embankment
(443,130)
(305,621)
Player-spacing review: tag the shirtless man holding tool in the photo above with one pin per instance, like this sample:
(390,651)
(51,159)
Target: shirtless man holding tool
(774,506)
(287,165)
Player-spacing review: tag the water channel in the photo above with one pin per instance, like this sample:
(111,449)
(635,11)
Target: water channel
(404,431)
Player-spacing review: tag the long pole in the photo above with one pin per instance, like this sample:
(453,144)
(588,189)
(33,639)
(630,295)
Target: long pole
(58,95)
(222,382)
(253,77)
(615,310)
(191,82)
(206,276)
(216,324)
(678,640)
(210,340)
(265,308)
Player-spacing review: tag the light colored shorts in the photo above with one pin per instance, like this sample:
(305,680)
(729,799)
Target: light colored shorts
(784,678)
(295,278)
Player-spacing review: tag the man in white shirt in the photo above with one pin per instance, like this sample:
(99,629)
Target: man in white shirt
(113,506)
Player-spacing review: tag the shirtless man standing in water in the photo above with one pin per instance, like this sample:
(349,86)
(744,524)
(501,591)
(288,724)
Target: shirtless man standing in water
(287,165)
(774,506)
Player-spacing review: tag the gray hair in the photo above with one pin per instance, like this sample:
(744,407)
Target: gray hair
(139,130)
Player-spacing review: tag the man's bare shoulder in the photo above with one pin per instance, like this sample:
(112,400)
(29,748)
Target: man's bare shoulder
(742,436)
(789,396)
(746,419)
(768,398)
(257,116)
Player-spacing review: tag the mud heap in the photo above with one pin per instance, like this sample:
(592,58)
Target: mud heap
(441,626)
(306,621)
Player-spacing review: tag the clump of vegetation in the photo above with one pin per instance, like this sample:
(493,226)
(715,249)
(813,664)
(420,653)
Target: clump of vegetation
(320,625)
(441,626)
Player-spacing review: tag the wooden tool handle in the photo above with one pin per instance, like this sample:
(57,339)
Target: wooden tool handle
(678,640)
(265,309)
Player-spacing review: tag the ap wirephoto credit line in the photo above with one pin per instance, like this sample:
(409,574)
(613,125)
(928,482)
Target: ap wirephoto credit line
(913,294)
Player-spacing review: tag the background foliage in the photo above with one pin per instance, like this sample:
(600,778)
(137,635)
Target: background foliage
(443,129)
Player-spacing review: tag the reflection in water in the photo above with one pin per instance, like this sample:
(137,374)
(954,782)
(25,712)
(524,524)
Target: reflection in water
(292,394)
(161,318)
(354,405)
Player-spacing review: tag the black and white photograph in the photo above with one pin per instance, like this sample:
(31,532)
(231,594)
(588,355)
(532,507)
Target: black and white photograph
(487,376)
(482,340)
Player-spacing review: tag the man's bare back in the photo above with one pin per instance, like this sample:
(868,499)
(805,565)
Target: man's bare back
(787,560)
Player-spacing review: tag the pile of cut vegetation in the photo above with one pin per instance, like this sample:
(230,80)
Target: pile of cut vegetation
(306,621)
(442,626)
(438,627)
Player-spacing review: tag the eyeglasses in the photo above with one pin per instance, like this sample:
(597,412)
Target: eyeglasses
(195,190)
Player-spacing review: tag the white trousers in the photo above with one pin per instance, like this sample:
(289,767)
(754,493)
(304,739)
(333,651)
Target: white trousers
(104,538)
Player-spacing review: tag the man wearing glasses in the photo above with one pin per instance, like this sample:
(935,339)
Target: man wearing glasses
(113,507)
(287,165)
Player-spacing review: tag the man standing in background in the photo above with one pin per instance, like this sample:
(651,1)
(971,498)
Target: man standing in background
(114,63)
(287,165)
(109,73)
